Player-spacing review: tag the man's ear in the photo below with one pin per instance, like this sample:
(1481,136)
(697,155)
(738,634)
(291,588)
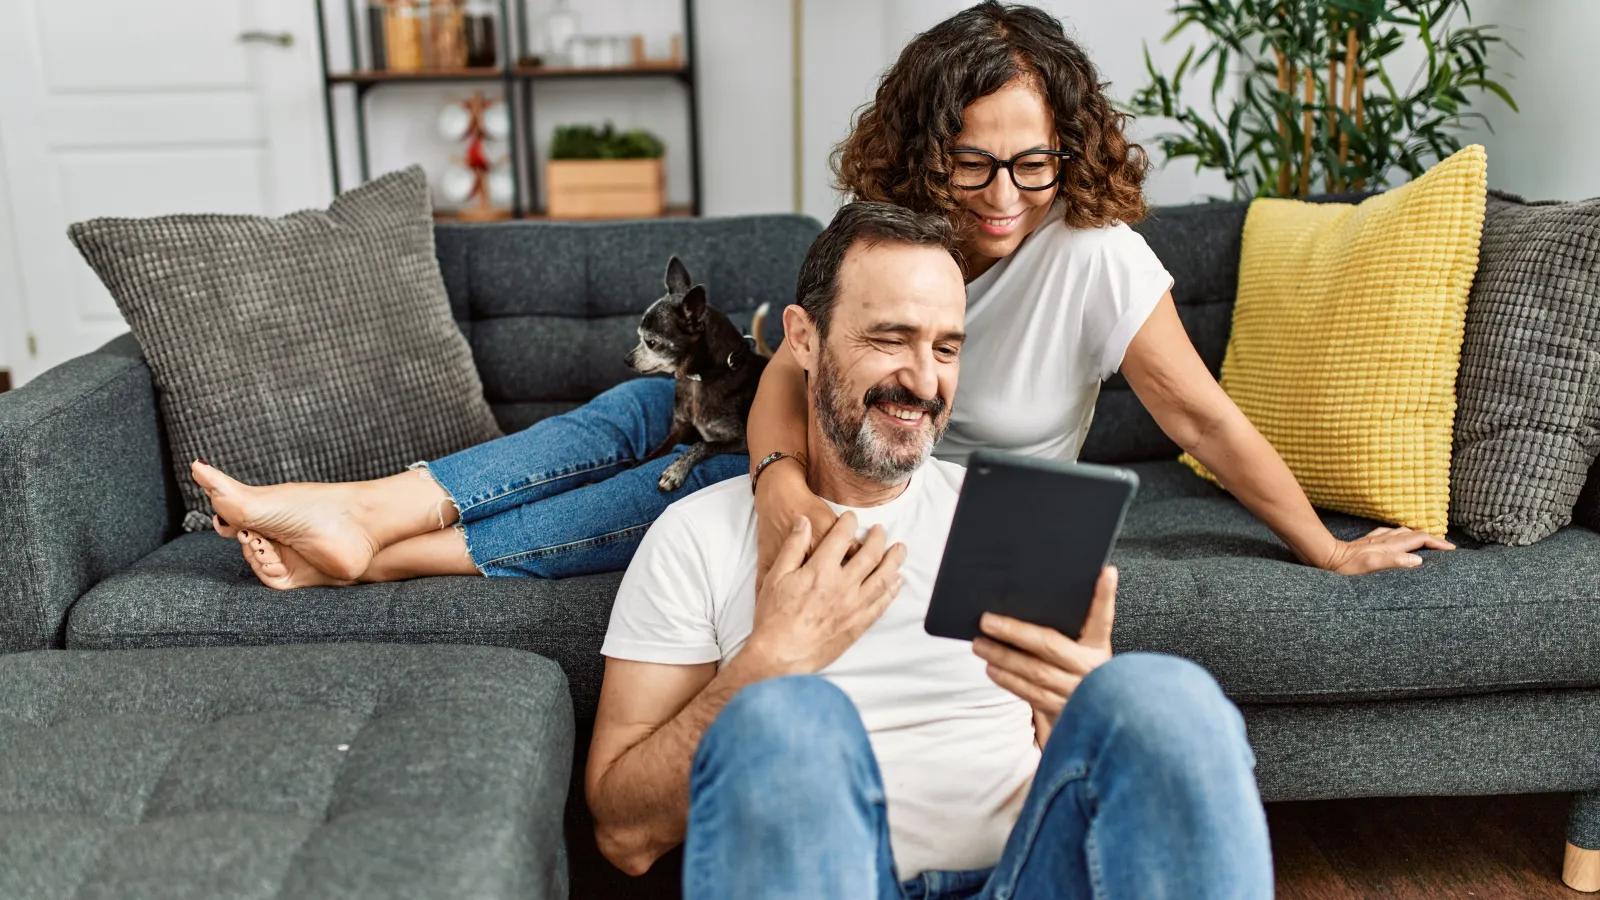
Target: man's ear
(678,280)
(694,303)
(800,333)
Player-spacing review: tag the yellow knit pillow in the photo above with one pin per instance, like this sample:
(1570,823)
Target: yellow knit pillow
(1347,337)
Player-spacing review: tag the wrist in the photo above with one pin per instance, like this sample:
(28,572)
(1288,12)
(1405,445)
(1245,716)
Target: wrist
(782,475)
(755,663)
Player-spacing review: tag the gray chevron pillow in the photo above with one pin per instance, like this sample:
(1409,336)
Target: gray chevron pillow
(314,347)
(1528,394)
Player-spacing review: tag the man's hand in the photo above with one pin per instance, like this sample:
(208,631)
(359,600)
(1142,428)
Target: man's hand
(1042,665)
(1382,548)
(809,611)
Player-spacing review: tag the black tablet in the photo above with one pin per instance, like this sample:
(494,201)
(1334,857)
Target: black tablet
(1029,540)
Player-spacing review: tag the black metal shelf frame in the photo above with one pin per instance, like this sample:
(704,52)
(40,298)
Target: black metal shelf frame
(523,146)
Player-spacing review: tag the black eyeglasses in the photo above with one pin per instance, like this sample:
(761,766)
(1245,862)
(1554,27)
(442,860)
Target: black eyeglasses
(1031,170)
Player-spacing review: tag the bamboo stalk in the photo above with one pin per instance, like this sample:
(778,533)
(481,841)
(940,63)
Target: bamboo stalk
(1361,113)
(1284,86)
(1344,104)
(1333,91)
(1305,156)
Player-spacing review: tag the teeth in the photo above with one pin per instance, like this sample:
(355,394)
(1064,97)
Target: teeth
(998,223)
(906,414)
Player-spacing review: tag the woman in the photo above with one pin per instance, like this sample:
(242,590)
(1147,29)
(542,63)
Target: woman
(994,118)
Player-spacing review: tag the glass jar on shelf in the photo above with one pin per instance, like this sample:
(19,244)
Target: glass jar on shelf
(403,36)
(483,46)
(447,34)
(560,28)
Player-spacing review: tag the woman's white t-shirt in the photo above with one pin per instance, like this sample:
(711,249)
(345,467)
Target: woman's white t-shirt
(1045,326)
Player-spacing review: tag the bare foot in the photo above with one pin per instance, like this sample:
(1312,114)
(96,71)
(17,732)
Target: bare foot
(279,568)
(313,521)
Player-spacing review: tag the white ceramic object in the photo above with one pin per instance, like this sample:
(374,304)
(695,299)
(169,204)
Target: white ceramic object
(454,120)
(456,183)
(500,186)
(496,122)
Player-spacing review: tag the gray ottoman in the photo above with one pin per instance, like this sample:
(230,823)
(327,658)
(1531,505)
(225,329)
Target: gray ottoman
(350,770)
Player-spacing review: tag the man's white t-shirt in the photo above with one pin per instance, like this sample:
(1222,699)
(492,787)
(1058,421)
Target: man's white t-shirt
(956,751)
(1045,326)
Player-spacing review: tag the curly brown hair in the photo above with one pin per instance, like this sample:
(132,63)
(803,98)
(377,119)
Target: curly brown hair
(897,151)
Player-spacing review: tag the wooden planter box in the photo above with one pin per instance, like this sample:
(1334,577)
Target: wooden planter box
(605,188)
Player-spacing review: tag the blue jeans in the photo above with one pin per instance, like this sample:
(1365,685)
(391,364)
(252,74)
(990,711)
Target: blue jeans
(566,496)
(1145,789)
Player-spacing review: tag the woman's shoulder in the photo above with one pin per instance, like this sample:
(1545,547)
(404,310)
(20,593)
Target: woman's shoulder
(1058,239)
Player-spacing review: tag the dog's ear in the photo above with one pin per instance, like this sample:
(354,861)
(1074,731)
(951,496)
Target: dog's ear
(677,276)
(694,304)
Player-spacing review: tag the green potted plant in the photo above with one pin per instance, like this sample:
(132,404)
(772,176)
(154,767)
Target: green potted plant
(602,173)
(1318,109)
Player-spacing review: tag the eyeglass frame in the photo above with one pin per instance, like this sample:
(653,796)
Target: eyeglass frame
(996,164)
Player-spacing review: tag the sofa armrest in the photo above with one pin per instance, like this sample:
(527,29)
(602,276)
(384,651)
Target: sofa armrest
(83,487)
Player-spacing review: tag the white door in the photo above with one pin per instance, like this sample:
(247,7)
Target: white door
(118,108)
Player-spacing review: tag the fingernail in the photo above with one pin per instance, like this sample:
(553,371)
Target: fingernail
(202,462)
(799,524)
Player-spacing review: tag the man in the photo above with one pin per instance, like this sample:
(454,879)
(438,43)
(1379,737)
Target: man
(813,741)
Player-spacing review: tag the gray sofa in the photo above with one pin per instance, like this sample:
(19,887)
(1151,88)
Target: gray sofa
(1477,674)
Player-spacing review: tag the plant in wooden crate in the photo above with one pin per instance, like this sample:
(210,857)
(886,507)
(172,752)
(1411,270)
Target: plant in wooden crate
(601,173)
(1317,106)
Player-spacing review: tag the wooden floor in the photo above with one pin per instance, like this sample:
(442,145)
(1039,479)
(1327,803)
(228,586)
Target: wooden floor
(1496,848)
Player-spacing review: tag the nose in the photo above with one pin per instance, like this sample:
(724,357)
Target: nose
(920,375)
(1001,193)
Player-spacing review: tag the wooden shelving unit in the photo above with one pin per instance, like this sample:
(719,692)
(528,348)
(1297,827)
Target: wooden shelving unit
(517,83)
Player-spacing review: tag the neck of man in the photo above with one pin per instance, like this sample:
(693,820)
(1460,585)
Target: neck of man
(832,480)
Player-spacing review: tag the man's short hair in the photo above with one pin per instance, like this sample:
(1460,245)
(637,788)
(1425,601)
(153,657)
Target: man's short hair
(869,224)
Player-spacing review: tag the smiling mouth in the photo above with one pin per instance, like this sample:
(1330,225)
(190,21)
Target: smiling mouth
(904,415)
(998,226)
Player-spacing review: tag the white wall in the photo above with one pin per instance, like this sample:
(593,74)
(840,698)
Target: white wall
(1551,149)
(13,328)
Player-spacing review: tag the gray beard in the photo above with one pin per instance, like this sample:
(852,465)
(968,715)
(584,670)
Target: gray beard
(860,447)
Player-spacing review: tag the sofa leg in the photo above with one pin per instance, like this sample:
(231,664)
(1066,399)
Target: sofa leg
(1581,871)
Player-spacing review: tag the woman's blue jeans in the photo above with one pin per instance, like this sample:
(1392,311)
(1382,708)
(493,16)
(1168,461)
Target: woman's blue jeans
(1145,789)
(566,496)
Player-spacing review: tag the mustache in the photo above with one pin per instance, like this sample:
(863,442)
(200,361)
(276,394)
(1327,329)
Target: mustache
(899,396)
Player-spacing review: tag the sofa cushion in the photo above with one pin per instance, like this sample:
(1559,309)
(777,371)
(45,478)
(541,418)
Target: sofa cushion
(1347,337)
(550,309)
(314,347)
(1528,427)
(1203,578)
(356,771)
(197,591)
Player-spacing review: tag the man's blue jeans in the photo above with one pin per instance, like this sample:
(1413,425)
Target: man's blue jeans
(566,496)
(1145,790)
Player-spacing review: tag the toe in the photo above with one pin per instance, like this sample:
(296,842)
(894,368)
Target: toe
(223,528)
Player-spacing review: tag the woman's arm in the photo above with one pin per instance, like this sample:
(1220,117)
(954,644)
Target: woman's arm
(1173,383)
(778,424)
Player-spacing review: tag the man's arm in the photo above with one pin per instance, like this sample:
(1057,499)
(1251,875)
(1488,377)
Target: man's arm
(650,722)
(653,715)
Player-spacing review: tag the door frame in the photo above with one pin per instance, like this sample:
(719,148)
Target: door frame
(288,81)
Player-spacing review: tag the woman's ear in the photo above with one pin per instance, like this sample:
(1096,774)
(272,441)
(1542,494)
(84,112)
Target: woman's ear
(800,333)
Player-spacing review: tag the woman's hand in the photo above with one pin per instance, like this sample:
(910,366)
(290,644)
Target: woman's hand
(1042,665)
(783,498)
(1382,548)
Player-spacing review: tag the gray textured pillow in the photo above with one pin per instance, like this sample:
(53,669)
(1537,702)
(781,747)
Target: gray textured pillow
(1528,416)
(315,347)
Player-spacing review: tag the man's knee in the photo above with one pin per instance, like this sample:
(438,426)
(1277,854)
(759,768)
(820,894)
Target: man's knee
(1164,706)
(803,720)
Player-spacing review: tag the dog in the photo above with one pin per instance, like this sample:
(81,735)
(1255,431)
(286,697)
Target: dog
(717,369)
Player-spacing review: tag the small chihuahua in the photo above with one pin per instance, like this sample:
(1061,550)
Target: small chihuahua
(717,372)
